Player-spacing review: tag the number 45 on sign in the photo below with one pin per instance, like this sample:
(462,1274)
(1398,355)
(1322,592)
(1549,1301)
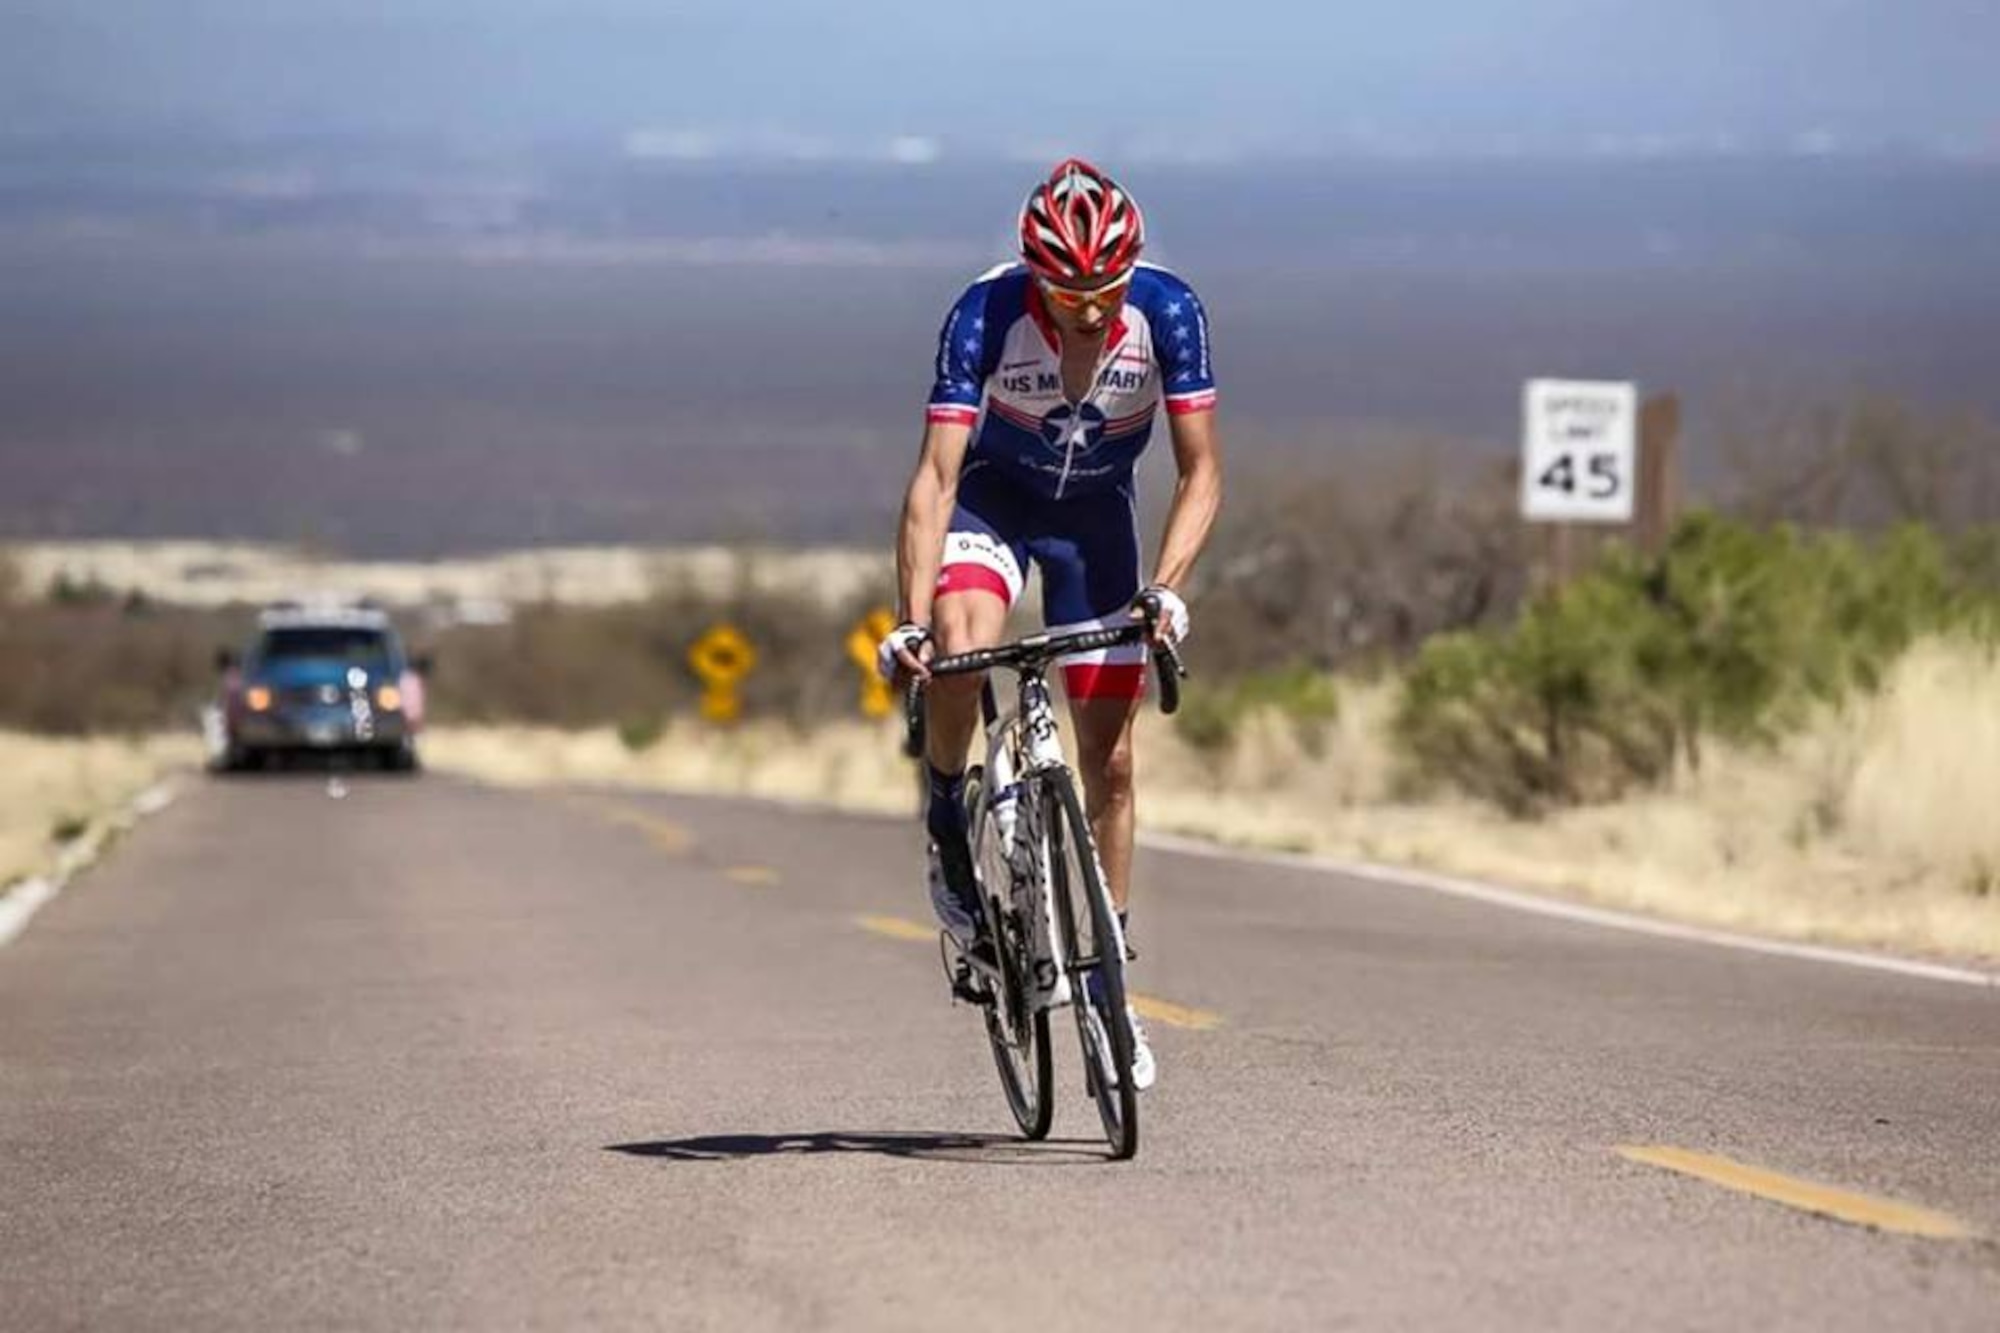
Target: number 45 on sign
(1579,447)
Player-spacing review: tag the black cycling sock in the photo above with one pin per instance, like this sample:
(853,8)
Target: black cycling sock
(944,812)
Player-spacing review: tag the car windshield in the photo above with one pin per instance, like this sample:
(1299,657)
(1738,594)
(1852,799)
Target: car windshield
(324,642)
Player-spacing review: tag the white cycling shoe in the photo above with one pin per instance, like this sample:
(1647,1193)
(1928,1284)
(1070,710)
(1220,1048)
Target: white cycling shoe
(1144,1070)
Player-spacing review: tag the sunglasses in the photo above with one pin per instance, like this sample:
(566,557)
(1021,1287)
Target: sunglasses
(1072,298)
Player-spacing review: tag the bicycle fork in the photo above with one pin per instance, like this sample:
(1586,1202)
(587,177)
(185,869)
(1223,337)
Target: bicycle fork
(1039,748)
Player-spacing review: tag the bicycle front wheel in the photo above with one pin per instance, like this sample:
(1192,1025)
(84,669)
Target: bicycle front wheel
(1094,957)
(1017,1027)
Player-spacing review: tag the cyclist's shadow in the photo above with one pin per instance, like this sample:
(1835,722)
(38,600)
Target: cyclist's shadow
(972,1149)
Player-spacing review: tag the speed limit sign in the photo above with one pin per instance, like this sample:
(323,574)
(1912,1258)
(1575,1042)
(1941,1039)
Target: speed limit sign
(1579,447)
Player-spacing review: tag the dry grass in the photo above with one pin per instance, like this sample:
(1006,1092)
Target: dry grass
(1925,785)
(1871,828)
(52,790)
(854,765)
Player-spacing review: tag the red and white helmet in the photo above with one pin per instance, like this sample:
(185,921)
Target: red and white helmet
(1080,225)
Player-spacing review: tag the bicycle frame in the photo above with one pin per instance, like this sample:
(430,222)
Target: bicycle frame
(1023,744)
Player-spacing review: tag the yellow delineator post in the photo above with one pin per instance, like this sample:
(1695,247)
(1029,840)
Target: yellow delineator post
(877,699)
(722,658)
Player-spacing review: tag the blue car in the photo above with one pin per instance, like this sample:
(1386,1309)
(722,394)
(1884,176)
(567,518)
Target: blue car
(331,680)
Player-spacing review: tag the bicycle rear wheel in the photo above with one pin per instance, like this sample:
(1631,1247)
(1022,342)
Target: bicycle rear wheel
(1094,957)
(1016,1027)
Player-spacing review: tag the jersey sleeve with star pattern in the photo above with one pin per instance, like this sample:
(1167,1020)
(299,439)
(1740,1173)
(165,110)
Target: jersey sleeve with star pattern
(968,352)
(1180,340)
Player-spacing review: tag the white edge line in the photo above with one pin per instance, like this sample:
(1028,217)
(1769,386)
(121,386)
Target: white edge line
(19,904)
(1471,890)
(1494,895)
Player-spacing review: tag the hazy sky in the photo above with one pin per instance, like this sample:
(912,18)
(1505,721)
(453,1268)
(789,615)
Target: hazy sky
(1231,76)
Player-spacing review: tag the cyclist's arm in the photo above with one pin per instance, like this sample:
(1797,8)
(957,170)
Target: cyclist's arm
(927,507)
(1197,495)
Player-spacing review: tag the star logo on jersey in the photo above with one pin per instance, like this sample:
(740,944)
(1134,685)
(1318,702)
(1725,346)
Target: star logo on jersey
(1069,429)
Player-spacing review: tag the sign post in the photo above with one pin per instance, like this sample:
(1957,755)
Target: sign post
(1659,471)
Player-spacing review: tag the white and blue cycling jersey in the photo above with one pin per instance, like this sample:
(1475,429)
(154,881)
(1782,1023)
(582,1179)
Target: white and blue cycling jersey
(1048,483)
(1000,352)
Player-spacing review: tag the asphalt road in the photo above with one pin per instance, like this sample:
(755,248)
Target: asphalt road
(435,1056)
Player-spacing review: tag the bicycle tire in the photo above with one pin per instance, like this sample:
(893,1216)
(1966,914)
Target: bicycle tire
(1092,948)
(1017,1029)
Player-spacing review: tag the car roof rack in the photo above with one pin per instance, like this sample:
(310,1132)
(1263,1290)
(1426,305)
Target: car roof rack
(327,610)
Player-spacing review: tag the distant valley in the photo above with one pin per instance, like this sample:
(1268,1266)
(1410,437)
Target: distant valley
(361,360)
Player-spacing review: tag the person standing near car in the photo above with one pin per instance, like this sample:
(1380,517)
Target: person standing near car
(1050,372)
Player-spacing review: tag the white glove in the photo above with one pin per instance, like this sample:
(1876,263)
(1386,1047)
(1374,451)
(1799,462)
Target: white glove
(904,638)
(1173,612)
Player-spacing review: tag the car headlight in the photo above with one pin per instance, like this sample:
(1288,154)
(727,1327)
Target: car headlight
(389,699)
(257,698)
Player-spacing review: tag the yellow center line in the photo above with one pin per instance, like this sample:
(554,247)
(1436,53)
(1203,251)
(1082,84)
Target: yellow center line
(1175,1015)
(1825,1200)
(896,928)
(758,876)
(667,836)
(1159,1011)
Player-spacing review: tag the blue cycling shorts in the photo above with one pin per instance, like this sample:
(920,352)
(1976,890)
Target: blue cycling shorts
(1087,549)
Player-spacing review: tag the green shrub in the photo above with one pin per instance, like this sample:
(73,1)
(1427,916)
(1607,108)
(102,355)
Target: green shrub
(1736,631)
(1212,714)
(1558,710)
(640,734)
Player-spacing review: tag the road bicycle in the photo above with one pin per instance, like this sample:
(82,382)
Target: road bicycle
(1054,934)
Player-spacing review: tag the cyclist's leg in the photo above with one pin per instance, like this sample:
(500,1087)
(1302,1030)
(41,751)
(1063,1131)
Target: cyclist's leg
(980,577)
(1088,552)
(1089,556)
(1104,761)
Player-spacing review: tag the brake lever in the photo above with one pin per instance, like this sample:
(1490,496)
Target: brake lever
(1167,664)
(914,739)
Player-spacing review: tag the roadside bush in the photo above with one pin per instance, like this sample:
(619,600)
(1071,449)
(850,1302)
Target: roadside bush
(1556,710)
(1975,566)
(1359,566)
(1212,715)
(102,665)
(627,666)
(640,734)
(1866,463)
(1735,631)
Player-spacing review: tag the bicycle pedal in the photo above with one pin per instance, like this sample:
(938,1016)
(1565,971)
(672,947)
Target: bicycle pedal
(966,986)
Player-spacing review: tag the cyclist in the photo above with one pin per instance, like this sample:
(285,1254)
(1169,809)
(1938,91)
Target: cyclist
(1049,374)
